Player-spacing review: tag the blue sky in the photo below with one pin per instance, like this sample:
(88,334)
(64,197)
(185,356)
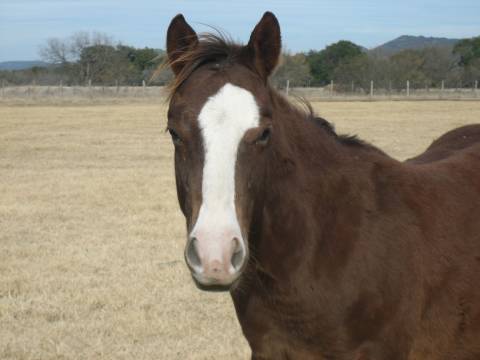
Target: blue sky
(306,24)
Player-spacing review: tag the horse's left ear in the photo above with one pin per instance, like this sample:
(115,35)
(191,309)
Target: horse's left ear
(265,44)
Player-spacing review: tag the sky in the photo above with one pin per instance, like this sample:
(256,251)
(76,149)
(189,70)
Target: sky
(25,25)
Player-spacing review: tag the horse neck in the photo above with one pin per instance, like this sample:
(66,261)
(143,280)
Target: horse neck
(313,183)
(304,151)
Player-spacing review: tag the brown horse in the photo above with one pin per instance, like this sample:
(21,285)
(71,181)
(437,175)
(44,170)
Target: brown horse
(330,248)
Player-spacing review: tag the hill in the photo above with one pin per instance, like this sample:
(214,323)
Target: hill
(405,42)
(21,65)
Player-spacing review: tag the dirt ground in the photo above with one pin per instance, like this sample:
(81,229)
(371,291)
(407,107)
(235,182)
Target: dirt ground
(91,237)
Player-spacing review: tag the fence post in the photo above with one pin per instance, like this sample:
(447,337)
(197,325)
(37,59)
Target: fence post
(475,87)
(3,87)
(331,87)
(89,88)
(371,88)
(408,87)
(143,86)
(61,88)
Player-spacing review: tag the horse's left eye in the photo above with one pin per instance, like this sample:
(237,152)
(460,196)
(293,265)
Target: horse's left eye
(264,137)
(174,135)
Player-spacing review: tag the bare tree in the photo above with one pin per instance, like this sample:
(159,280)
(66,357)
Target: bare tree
(62,51)
(79,41)
(56,51)
(99,38)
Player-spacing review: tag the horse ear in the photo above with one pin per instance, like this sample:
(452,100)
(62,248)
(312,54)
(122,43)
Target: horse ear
(180,38)
(265,44)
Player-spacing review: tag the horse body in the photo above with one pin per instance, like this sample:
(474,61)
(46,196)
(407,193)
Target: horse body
(455,140)
(373,251)
(351,254)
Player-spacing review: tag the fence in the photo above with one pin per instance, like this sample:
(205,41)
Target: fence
(89,91)
(331,92)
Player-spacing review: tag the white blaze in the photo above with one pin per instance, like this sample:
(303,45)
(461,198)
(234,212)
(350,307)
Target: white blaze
(223,121)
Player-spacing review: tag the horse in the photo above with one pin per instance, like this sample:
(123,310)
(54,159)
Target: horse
(329,248)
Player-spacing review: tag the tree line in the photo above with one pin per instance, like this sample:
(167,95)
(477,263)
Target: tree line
(91,58)
(350,67)
(94,58)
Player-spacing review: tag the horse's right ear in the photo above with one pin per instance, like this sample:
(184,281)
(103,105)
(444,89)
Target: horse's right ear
(180,38)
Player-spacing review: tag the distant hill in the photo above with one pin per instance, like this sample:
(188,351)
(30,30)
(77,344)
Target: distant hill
(405,42)
(21,65)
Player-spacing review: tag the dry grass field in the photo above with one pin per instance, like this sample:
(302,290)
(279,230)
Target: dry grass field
(91,237)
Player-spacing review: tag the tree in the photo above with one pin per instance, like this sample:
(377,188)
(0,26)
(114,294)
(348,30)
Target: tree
(99,63)
(468,52)
(107,64)
(145,58)
(408,65)
(437,65)
(66,53)
(293,68)
(79,41)
(323,63)
(56,51)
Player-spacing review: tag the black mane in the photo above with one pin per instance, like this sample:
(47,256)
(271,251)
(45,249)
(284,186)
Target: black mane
(349,140)
(329,128)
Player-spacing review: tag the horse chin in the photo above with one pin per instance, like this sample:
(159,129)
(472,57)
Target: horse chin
(211,288)
(216,287)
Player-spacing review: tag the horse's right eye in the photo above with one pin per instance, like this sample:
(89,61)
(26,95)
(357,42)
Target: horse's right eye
(175,138)
(264,137)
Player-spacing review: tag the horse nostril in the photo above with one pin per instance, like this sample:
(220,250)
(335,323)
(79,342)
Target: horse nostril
(238,256)
(191,254)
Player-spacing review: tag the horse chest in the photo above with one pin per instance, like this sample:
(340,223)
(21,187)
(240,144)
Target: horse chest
(279,329)
(282,327)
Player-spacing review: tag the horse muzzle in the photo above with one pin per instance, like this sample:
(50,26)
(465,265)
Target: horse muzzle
(215,263)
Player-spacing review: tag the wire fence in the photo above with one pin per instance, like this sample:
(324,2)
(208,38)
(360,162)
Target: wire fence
(86,93)
(330,92)
(333,92)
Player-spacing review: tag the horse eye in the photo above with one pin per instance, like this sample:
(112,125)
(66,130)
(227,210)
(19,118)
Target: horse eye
(174,135)
(264,137)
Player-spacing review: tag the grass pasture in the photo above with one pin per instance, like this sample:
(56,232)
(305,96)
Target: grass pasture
(91,237)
